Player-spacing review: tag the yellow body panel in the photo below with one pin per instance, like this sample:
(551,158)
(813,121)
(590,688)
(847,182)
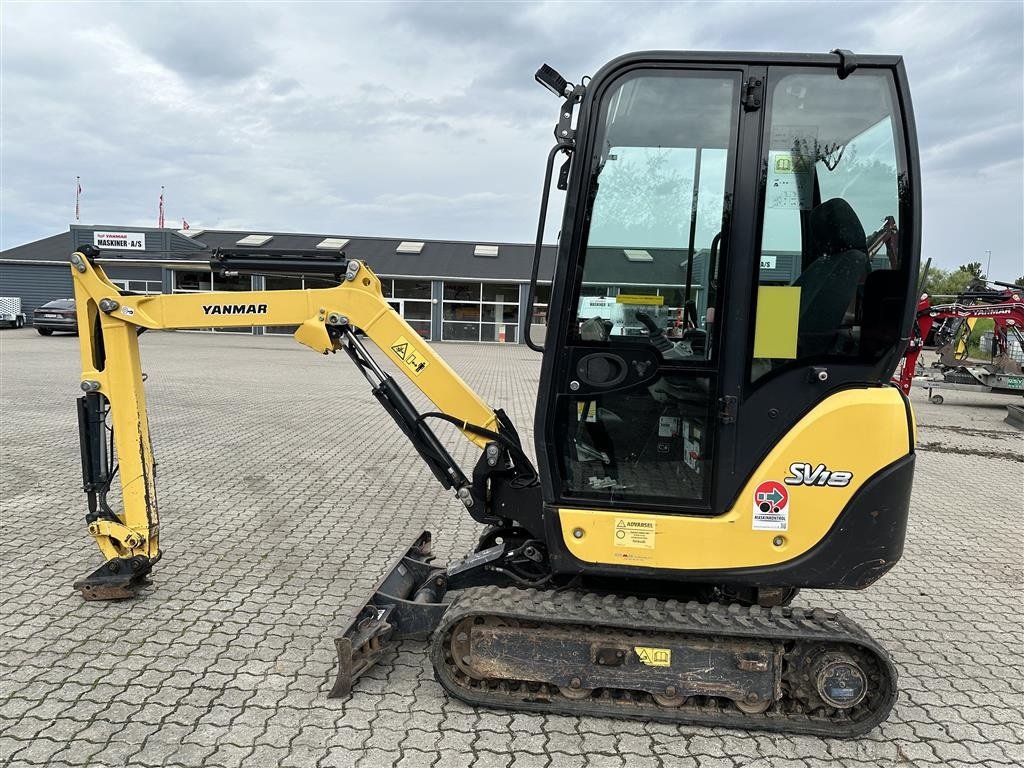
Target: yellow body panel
(777,323)
(859,431)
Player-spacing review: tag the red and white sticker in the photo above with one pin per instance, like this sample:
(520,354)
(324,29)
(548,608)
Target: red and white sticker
(771,507)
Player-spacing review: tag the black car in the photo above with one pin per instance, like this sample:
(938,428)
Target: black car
(56,315)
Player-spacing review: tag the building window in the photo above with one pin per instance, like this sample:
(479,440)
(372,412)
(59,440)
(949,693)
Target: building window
(411,300)
(461,291)
(143,287)
(541,300)
(410,289)
(187,282)
(480,312)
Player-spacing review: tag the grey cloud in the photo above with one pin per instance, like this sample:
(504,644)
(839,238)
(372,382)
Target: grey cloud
(422,119)
(204,42)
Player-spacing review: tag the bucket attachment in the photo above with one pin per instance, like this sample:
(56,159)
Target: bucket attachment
(117,579)
(407,603)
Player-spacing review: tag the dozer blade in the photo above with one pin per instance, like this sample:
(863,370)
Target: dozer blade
(406,603)
(117,579)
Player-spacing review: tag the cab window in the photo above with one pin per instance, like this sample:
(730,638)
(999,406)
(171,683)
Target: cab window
(658,201)
(830,279)
(658,195)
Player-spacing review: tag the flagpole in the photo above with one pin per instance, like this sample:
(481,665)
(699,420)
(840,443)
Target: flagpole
(78,195)
(160,221)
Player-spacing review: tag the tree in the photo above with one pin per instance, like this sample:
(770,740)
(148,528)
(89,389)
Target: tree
(949,283)
(643,199)
(974,268)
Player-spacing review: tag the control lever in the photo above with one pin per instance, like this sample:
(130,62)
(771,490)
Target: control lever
(657,333)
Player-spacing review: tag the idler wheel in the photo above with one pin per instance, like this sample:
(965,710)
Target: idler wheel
(840,681)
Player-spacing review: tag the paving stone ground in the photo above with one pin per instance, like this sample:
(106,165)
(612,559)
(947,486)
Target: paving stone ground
(284,493)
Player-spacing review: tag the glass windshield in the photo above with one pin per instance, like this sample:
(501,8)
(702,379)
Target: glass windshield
(658,203)
(658,196)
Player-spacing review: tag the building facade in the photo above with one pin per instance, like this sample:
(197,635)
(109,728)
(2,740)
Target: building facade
(446,290)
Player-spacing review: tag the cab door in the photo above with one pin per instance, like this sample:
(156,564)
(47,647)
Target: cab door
(740,242)
(632,375)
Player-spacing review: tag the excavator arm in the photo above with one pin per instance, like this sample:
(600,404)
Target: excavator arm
(112,412)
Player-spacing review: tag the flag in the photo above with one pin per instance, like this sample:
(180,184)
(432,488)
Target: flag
(160,221)
(78,194)
(184,224)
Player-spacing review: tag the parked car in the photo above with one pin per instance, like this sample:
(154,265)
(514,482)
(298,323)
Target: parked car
(11,315)
(56,315)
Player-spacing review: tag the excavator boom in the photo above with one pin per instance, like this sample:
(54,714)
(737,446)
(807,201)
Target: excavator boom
(110,323)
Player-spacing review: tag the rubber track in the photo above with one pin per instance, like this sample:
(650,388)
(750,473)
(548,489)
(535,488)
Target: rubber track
(787,625)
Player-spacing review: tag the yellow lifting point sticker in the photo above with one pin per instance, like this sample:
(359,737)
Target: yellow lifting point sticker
(409,355)
(654,657)
(632,532)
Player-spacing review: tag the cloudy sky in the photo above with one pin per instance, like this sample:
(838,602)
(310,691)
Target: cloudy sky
(420,120)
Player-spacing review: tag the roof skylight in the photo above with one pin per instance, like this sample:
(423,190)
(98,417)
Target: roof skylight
(332,243)
(637,255)
(255,240)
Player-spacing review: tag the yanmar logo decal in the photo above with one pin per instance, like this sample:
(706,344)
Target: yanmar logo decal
(234,309)
(802,474)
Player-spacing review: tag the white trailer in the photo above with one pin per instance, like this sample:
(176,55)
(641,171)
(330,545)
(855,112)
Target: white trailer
(11,315)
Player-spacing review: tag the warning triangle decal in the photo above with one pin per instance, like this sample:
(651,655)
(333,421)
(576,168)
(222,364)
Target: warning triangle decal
(400,349)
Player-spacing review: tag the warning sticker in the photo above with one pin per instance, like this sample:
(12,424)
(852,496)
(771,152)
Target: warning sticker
(654,657)
(630,532)
(771,507)
(409,355)
(790,180)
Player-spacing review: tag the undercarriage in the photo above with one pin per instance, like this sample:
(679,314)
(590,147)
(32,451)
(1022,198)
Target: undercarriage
(567,651)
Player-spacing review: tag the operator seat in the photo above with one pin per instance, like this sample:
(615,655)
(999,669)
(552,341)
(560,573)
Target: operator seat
(828,286)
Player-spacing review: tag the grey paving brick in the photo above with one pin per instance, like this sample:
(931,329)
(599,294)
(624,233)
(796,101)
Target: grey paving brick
(78,752)
(340,757)
(225,660)
(378,758)
(262,754)
(530,760)
(491,760)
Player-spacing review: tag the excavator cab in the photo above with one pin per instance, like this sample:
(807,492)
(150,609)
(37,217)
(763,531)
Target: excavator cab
(715,428)
(742,186)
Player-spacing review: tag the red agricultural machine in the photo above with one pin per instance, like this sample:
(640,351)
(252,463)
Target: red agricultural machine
(948,327)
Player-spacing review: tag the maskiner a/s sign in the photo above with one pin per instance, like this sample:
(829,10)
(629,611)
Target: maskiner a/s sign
(119,241)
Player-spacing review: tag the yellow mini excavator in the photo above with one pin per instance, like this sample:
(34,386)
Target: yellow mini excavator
(715,427)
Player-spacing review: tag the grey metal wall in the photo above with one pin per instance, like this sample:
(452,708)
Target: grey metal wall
(36,284)
(157,240)
(133,273)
